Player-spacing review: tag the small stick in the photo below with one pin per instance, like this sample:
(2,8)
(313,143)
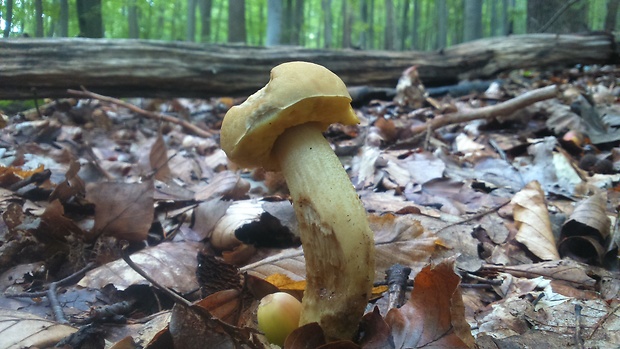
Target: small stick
(52,295)
(488,112)
(151,115)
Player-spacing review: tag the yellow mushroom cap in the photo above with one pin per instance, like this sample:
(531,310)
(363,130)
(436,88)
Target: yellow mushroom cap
(297,93)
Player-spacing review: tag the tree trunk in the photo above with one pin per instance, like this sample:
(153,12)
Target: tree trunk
(557,16)
(144,68)
(190,34)
(8,21)
(442,24)
(132,20)
(612,13)
(347,21)
(38,14)
(299,23)
(415,26)
(390,26)
(404,25)
(89,18)
(274,22)
(236,21)
(327,23)
(205,19)
(473,20)
(63,19)
(363,40)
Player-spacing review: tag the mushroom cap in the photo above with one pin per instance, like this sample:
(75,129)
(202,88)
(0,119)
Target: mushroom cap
(297,93)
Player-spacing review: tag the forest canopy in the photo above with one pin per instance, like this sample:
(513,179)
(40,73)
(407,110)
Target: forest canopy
(363,24)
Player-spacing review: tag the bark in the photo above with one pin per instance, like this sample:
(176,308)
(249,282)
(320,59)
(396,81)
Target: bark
(205,19)
(347,21)
(124,68)
(389,39)
(326,5)
(191,20)
(38,13)
(236,21)
(8,21)
(89,18)
(556,16)
(442,24)
(274,22)
(473,20)
(64,18)
(612,13)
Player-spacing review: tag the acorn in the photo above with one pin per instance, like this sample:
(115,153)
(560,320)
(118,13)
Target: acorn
(278,315)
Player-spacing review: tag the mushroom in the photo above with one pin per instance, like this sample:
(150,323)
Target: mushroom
(280,128)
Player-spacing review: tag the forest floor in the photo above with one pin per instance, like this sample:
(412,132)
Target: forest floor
(507,217)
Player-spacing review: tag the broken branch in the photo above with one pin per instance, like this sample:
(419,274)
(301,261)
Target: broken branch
(505,108)
(151,115)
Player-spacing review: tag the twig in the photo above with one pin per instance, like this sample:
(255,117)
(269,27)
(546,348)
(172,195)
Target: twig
(151,115)
(233,332)
(504,108)
(52,295)
(557,15)
(476,216)
(66,281)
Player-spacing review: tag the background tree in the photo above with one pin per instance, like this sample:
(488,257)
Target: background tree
(191,20)
(472,20)
(8,18)
(206,7)
(236,21)
(326,5)
(442,24)
(90,18)
(389,39)
(38,12)
(274,22)
(557,16)
(132,19)
(63,18)
(612,14)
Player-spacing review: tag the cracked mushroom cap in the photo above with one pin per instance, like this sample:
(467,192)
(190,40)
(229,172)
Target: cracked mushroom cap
(297,93)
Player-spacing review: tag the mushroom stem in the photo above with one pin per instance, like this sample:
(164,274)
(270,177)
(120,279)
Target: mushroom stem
(337,241)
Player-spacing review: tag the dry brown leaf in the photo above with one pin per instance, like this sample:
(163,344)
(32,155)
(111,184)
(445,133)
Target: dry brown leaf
(23,330)
(55,224)
(227,184)
(434,316)
(398,239)
(532,220)
(172,265)
(158,158)
(122,210)
(585,233)
(72,186)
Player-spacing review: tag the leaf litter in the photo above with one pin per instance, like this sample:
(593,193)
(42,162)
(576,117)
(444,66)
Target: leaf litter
(506,212)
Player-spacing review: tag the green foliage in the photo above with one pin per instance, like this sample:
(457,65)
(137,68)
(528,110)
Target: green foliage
(167,20)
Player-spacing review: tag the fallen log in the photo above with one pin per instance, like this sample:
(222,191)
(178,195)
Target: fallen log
(140,68)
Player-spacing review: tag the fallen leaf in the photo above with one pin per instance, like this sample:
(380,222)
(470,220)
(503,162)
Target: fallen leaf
(23,330)
(586,231)
(158,158)
(173,265)
(532,220)
(122,210)
(434,316)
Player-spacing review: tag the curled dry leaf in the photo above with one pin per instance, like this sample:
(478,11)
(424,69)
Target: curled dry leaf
(584,234)
(72,186)
(172,265)
(158,158)
(532,221)
(434,316)
(122,210)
